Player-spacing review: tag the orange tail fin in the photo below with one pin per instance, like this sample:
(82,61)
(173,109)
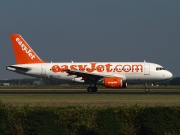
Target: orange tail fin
(23,52)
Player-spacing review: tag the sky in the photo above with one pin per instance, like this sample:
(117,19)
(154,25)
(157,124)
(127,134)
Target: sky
(93,31)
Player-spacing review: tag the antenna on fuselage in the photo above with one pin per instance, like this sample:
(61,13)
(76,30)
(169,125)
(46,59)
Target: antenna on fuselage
(144,61)
(72,61)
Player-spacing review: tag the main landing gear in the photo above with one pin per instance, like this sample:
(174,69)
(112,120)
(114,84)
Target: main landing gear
(92,88)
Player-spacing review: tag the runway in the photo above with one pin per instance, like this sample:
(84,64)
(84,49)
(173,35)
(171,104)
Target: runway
(80,91)
(80,97)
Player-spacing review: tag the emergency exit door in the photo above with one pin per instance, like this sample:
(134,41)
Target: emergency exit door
(43,69)
(146,69)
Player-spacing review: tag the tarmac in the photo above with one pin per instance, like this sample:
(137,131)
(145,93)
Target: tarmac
(82,91)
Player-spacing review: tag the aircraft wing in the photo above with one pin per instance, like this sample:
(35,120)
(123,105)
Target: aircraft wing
(86,76)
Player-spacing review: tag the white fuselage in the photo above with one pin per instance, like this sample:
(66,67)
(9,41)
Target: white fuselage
(128,71)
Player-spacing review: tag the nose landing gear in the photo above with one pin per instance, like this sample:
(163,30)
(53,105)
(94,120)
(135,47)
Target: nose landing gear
(146,88)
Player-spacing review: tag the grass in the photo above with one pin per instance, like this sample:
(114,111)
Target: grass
(83,99)
(90,99)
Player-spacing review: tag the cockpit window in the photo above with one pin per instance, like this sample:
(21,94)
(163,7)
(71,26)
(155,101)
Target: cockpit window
(160,68)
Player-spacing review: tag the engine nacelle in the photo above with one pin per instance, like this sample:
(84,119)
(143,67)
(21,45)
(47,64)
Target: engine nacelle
(114,82)
(124,85)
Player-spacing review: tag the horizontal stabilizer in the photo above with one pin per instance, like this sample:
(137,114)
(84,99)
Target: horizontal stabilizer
(16,68)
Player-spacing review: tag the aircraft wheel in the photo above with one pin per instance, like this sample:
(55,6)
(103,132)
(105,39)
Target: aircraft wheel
(92,89)
(146,89)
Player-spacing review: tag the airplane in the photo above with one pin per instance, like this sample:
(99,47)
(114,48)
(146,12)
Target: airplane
(110,74)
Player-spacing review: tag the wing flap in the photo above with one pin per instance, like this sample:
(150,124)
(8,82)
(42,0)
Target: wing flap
(92,77)
(86,76)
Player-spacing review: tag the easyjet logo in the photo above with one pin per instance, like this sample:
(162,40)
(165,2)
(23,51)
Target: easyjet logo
(114,82)
(25,49)
(100,68)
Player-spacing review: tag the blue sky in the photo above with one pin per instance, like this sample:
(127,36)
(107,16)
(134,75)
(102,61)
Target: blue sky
(96,30)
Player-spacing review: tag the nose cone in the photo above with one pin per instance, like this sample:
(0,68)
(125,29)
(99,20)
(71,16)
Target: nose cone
(169,75)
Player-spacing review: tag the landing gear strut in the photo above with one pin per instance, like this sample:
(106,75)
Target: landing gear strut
(146,88)
(92,88)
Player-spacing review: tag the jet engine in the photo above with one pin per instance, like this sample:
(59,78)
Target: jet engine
(114,82)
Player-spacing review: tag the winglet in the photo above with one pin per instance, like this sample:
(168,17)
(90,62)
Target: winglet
(23,52)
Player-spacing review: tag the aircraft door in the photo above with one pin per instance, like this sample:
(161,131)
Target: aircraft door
(146,69)
(43,69)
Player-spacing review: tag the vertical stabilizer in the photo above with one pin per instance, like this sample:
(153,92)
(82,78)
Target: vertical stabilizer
(23,52)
